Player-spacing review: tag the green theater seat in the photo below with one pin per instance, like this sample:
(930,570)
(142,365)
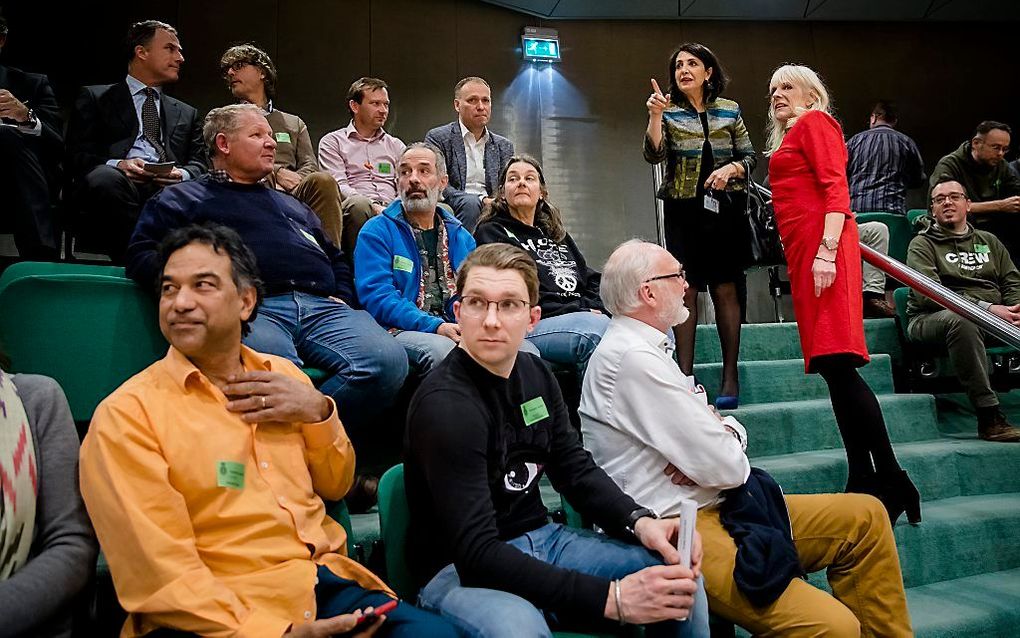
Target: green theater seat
(899,231)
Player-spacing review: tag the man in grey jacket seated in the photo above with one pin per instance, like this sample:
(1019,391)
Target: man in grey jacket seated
(651,429)
(475,154)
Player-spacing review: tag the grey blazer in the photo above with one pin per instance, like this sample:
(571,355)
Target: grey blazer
(447,139)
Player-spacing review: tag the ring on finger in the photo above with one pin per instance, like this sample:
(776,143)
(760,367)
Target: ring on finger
(263,397)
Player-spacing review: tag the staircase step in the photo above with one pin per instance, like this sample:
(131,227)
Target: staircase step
(800,426)
(985,605)
(771,341)
(784,380)
(941,468)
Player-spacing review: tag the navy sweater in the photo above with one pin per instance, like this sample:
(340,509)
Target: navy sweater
(285,235)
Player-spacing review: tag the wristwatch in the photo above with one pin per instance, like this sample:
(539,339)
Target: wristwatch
(31,121)
(636,515)
(830,243)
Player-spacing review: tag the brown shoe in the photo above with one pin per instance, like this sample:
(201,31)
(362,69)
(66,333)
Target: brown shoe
(998,430)
(878,309)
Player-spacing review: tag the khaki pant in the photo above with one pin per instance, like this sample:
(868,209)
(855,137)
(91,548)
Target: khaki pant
(319,191)
(848,534)
(874,235)
(357,210)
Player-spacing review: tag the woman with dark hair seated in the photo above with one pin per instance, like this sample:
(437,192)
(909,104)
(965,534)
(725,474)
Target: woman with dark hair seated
(573,317)
(703,141)
(47,547)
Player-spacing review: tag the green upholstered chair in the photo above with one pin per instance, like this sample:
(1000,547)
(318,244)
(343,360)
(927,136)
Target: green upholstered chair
(88,327)
(899,231)
(913,214)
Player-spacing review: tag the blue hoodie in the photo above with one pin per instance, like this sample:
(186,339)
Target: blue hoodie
(386,287)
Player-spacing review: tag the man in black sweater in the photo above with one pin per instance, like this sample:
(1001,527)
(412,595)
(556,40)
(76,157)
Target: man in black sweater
(305,316)
(482,428)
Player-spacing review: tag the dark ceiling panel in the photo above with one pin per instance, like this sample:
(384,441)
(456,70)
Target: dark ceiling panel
(810,10)
(744,9)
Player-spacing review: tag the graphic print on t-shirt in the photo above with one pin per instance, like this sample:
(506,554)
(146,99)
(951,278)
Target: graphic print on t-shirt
(521,475)
(557,261)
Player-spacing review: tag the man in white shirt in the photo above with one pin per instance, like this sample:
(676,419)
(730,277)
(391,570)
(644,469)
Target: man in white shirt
(362,158)
(651,428)
(475,154)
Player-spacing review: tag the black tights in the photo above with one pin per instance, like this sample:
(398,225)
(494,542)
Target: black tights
(728,315)
(858,416)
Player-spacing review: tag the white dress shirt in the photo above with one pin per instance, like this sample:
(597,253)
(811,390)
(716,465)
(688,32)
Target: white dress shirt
(639,413)
(141,148)
(474,150)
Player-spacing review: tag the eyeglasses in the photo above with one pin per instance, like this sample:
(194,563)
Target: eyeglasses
(939,200)
(678,275)
(234,66)
(478,307)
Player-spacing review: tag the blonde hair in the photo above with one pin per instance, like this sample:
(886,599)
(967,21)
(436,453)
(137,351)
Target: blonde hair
(805,78)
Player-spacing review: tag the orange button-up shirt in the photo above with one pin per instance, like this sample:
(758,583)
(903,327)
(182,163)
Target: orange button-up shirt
(212,525)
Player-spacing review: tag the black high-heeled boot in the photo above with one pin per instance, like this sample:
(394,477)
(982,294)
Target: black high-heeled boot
(899,495)
(863,483)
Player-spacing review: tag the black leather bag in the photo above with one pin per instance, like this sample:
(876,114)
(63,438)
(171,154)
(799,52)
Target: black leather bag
(766,246)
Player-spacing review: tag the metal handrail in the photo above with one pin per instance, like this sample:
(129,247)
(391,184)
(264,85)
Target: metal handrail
(659,174)
(943,296)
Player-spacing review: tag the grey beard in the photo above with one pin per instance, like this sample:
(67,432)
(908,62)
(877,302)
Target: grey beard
(426,205)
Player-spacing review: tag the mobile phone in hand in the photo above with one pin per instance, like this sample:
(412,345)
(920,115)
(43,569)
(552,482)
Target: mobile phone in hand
(375,613)
(159,168)
(685,537)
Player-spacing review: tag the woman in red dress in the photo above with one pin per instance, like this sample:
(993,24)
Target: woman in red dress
(807,171)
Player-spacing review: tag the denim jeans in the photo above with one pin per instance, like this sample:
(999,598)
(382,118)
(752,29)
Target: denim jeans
(491,613)
(425,349)
(569,340)
(366,367)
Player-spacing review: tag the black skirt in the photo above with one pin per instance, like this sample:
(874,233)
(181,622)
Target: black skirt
(714,248)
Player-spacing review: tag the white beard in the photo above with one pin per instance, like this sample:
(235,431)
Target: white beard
(675,316)
(426,205)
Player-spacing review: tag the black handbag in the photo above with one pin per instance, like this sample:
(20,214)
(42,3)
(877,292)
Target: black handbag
(766,246)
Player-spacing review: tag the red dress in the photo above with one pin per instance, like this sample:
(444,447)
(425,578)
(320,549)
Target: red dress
(808,178)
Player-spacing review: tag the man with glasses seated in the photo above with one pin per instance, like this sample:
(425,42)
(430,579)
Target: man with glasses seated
(651,428)
(994,191)
(405,260)
(483,428)
(975,264)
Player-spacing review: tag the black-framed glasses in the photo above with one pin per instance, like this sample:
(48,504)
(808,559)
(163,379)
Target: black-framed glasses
(678,275)
(475,306)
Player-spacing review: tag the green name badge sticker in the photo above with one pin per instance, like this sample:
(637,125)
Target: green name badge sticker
(981,248)
(385,168)
(230,474)
(402,263)
(282,138)
(534,411)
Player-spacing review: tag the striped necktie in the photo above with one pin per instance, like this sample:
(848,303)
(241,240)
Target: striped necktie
(150,123)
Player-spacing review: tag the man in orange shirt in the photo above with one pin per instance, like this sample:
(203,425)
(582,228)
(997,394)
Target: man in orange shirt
(204,474)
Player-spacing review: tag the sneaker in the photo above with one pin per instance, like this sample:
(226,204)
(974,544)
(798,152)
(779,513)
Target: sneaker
(878,309)
(998,430)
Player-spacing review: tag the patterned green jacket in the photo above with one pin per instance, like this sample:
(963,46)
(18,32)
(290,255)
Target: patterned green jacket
(682,140)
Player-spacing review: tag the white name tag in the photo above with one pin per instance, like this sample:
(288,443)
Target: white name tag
(711,203)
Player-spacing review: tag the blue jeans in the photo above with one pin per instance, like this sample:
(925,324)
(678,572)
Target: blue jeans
(425,349)
(491,613)
(366,366)
(335,596)
(569,340)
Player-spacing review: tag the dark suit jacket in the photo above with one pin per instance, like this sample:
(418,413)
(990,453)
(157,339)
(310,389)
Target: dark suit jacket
(34,89)
(447,139)
(104,125)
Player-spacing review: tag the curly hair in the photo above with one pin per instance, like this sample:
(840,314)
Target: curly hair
(251,54)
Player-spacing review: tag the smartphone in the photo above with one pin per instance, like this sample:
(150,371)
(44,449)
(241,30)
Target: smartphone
(685,538)
(160,168)
(375,613)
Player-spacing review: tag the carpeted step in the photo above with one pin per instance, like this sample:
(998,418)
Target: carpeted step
(985,605)
(771,341)
(941,468)
(801,426)
(784,380)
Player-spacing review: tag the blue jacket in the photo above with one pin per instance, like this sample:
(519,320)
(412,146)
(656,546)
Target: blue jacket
(386,287)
